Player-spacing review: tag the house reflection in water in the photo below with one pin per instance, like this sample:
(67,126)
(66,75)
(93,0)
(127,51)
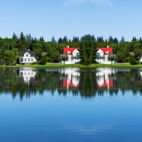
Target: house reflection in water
(71,78)
(141,73)
(27,74)
(104,78)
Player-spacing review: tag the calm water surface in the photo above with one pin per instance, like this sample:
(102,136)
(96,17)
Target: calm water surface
(70,105)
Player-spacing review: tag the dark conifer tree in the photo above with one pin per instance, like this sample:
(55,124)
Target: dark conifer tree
(14,36)
(87,50)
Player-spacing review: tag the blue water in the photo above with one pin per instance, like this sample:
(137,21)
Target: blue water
(50,116)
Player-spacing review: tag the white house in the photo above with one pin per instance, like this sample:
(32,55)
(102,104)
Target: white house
(27,57)
(141,60)
(72,55)
(103,55)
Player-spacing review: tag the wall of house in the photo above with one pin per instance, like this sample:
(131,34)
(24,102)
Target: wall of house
(71,60)
(141,60)
(27,59)
(103,59)
(100,53)
(75,53)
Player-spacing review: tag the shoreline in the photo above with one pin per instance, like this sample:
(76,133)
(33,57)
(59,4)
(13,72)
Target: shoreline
(50,65)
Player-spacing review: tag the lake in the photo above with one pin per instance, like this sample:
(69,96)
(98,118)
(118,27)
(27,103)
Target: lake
(70,105)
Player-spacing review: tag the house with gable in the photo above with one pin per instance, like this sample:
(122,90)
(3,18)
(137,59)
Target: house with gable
(72,55)
(28,57)
(103,55)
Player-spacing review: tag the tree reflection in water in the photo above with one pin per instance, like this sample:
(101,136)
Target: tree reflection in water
(26,82)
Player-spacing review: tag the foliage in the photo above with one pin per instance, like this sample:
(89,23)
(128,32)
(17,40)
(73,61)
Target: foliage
(87,50)
(9,48)
(132,60)
(8,57)
(43,60)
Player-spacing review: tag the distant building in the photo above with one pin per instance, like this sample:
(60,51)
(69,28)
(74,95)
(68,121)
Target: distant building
(27,57)
(104,54)
(72,55)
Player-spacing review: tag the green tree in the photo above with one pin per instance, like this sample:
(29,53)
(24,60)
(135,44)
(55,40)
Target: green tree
(14,36)
(132,60)
(9,57)
(43,60)
(87,50)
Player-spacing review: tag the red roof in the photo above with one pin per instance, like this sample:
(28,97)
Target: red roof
(69,50)
(106,50)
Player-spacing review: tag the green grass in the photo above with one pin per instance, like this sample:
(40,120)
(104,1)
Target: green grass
(82,66)
(77,65)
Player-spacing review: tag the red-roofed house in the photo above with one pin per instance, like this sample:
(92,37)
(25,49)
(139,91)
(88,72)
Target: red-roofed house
(103,55)
(72,55)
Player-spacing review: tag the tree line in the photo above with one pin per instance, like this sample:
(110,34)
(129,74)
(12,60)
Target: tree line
(51,51)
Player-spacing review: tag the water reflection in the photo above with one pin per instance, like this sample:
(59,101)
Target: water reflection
(141,73)
(84,82)
(104,77)
(71,78)
(27,74)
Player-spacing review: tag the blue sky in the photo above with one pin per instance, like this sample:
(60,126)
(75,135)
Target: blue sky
(57,18)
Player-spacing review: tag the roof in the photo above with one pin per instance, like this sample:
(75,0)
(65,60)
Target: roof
(106,50)
(69,50)
(32,53)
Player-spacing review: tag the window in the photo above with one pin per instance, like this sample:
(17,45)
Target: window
(27,55)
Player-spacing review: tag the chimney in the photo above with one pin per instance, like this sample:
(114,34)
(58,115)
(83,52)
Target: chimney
(107,46)
(68,46)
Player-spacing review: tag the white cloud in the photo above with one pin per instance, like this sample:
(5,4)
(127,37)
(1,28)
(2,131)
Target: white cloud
(80,2)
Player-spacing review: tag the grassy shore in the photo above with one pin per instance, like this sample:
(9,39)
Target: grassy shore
(49,65)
